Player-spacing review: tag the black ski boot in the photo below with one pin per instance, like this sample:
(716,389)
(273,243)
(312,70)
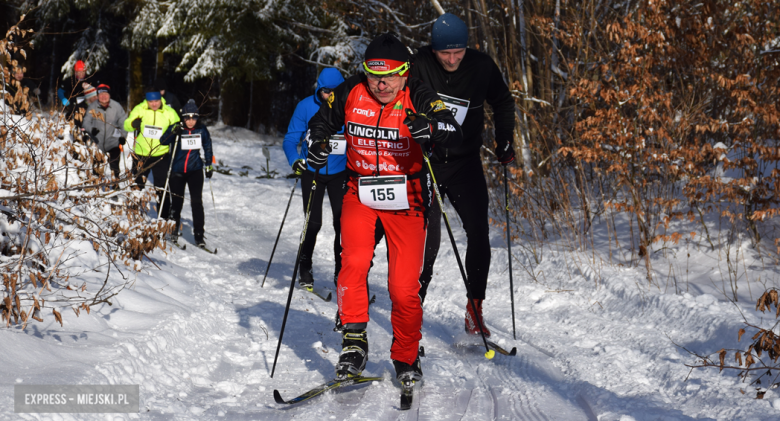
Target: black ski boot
(305,275)
(405,372)
(199,241)
(354,352)
(306,278)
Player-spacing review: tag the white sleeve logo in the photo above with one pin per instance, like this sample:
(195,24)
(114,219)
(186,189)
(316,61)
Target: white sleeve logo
(447,127)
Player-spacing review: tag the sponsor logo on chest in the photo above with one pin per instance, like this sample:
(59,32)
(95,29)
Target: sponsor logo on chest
(365,113)
(363,136)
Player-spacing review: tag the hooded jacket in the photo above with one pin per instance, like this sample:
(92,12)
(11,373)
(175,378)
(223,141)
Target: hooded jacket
(162,117)
(299,124)
(110,125)
(186,161)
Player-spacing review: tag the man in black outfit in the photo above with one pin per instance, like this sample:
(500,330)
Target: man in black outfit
(464,79)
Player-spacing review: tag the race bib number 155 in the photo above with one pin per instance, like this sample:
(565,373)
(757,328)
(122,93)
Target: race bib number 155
(386,192)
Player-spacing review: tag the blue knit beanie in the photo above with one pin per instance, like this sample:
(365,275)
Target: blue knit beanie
(190,108)
(449,32)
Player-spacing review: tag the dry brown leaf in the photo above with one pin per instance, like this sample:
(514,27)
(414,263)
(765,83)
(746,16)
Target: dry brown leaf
(57,316)
(739,335)
(749,360)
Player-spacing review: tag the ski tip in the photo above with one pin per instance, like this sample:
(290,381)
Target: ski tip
(278,397)
(407,396)
(328,298)
(490,354)
(513,352)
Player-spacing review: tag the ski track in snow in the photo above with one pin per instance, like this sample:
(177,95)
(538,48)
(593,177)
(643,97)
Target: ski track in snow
(199,336)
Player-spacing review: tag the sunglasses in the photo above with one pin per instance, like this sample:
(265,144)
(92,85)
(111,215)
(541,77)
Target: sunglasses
(387,78)
(387,75)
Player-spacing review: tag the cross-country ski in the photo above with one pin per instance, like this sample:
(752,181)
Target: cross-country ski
(331,385)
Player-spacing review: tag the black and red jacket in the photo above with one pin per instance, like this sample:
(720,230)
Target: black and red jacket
(378,142)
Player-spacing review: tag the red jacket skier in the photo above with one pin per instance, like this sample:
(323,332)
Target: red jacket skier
(388,180)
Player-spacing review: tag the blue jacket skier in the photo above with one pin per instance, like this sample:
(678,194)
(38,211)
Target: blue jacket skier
(330,178)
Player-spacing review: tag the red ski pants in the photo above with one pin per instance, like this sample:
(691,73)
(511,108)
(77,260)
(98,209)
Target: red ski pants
(406,246)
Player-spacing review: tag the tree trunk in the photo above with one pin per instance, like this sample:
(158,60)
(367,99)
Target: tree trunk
(484,22)
(470,21)
(135,73)
(160,64)
(52,72)
(249,115)
(221,102)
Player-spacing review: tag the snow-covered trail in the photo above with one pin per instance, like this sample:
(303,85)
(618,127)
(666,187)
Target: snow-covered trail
(460,383)
(199,336)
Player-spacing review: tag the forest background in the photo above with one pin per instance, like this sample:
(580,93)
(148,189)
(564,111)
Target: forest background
(652,111)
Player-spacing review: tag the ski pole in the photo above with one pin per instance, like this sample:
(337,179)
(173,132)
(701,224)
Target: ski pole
(489,354)
(136,132)
(168,178)
(39,102)
(214,202)
(509,251)
(295,268)
(280,231)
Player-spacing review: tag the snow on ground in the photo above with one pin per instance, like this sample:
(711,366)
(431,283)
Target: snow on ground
(199,335)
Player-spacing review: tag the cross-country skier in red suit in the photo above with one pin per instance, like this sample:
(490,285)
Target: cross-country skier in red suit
(387,180)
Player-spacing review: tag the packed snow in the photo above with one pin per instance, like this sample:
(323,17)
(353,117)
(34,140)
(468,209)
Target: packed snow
(199,334)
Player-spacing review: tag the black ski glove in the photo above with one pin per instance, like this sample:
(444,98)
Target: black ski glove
(318,154)
(505,155)
(176,129)
(420,127)
(209,171)
(122,140)
(299,166)
(95,132)
(136,124)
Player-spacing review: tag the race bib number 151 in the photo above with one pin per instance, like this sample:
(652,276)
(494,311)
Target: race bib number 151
(190,141)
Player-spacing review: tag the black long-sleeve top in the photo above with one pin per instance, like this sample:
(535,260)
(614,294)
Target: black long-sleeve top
(477,80)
